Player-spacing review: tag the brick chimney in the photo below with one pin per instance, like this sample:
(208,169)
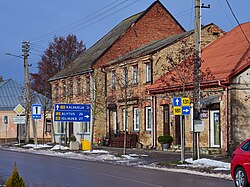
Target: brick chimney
(1,78)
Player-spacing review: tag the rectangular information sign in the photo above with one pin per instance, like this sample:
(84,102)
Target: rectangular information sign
(72,112)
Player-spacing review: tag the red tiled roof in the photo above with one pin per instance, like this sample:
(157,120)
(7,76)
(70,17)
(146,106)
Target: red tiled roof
(226,57)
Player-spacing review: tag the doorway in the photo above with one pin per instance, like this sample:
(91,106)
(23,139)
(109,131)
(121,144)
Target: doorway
(215,128)
(166,121)
(177,130)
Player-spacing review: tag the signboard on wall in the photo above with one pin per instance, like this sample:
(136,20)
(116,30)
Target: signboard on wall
(204,113)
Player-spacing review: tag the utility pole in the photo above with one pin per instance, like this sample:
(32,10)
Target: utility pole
(27,95)
(197,64)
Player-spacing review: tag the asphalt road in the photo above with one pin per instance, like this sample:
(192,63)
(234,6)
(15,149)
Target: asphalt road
(42,170)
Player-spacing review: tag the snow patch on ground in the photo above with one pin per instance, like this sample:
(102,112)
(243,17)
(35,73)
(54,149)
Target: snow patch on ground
(219,175)
(204,162)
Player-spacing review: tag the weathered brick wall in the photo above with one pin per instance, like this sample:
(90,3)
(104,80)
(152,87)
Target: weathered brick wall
(239,115)
(156,24)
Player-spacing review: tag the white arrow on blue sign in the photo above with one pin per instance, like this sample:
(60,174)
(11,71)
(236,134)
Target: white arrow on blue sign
(185,110)
(176,101)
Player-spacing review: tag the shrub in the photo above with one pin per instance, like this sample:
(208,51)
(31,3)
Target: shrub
(15,179)
(165,139)
(72,138)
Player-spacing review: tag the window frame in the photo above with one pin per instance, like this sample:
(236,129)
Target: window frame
(48,123)
(71,88)
(79,85)
(113,79)
(125,73)
(148,72)
(88,85)
(147,115)
(124,116)
(136,119)
(135,74)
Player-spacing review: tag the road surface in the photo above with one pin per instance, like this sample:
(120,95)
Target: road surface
(43,170)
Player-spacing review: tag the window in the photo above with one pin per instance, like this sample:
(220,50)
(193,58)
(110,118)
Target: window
(56,91)
(148,118)
(71,84)
(79,90)
(125,118)
(115,122)
(85,128)
(125,77)
(64,90)
(148,72)
(246,146)
(113,79)
(60,128)
(87,85)
(136,119)
(48,125)
(135,74)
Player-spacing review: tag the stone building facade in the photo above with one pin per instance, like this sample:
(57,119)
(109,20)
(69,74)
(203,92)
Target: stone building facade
(225,96)
(130,75)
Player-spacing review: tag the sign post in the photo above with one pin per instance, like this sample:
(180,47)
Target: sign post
(6,123)
(36,114)
(181,107)
(19,119)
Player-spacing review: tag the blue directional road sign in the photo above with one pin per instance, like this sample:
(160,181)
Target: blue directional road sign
(36,111)
(177,101)
(72,112)
(185,110)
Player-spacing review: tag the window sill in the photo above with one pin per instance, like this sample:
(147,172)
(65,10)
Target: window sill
(83,133)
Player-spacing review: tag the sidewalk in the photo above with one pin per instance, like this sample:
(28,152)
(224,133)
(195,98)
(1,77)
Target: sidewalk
(169,159)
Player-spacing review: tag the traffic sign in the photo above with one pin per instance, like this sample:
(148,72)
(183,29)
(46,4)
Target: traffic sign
(19,119)
(5,119)
(177,101)
(177,110)
(185,110)
(181,106)
(72,112)
(19,109)
(36,111)
(185,101)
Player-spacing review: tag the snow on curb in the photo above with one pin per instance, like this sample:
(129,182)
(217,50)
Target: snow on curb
(186,171)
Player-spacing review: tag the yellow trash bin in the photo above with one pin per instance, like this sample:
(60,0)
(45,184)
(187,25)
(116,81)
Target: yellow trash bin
(85,145)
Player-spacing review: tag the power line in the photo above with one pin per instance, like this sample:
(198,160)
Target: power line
(237,21)
(78,23)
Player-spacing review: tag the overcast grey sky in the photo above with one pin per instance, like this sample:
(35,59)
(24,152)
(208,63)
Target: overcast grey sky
(40,20)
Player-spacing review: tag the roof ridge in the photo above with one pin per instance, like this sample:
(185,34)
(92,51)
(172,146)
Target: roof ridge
(226,34)
(4,82)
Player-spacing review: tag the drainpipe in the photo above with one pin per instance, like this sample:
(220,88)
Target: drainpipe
(227,127)
(105,105)
(155,134)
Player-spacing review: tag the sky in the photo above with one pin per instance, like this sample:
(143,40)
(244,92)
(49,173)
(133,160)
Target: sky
(41,20)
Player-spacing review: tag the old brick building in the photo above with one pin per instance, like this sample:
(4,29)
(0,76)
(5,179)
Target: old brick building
(129,103)
(83,80)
